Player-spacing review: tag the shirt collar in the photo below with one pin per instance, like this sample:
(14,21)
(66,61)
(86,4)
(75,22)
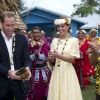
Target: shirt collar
(5,37)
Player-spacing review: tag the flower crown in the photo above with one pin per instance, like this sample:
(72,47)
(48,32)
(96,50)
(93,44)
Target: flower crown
(62,21)
(93,30)
(81,31)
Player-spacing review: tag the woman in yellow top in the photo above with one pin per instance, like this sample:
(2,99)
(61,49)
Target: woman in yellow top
(92,37)
(64,83)
(96,48)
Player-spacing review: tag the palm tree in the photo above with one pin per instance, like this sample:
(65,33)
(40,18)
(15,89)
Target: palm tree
(12,5)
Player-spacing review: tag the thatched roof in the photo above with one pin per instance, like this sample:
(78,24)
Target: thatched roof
(15,6)
(19,22)
(12,5)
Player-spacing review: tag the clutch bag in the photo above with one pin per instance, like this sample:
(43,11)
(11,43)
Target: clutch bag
(22,72)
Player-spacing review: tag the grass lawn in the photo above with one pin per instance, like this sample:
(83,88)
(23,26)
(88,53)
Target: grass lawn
(89,92)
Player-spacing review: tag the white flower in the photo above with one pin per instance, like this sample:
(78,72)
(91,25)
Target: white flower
(62,21)
(93,30)
(68,20)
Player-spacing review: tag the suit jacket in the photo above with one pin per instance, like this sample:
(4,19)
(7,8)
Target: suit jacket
(21,59)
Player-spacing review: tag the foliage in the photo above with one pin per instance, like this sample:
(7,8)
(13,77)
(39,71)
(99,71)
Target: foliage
(87,7)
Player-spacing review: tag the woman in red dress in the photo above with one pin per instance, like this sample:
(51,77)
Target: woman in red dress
(83,67)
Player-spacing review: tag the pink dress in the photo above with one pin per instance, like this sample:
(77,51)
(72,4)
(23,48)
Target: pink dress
(41,73)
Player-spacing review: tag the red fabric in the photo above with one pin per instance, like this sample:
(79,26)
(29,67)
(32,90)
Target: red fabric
(83,67)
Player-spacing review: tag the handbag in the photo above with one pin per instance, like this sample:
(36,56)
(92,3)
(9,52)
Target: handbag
(25,84)
(26,87)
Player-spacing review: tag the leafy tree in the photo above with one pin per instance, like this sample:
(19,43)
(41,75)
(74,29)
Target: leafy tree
(87,7)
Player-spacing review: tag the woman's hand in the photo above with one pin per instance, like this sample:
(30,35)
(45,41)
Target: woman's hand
(95,46)
(53,55)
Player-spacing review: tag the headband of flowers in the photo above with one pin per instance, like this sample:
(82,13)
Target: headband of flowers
(93,30)
(81,31)
(62,21)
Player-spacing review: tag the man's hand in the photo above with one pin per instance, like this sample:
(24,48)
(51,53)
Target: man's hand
(12,75)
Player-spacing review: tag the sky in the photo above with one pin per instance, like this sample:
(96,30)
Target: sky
(59,6)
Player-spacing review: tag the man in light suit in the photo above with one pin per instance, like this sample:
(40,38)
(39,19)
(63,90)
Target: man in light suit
(13,55)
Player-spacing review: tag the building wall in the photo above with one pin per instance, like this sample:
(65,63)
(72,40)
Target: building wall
(45,20)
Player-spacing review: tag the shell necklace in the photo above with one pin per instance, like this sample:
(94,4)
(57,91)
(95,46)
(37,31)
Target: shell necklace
(59,41)
(58,64)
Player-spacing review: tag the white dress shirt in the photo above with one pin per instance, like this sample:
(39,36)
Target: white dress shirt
(9,47)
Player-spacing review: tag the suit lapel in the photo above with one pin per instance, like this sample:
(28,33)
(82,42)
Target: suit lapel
(16,47)
(16,43)
(3,44)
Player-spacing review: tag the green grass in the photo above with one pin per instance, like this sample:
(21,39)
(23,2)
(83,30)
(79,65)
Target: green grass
(89,92)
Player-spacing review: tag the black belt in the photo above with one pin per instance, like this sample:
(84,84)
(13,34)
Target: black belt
(40,65)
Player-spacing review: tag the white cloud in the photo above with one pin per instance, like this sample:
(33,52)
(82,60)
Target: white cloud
(62,6)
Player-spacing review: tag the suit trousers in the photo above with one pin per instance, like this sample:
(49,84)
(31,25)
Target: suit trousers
(97,97)
(14,91)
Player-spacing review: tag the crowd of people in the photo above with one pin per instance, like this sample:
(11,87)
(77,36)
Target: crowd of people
(55,70)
